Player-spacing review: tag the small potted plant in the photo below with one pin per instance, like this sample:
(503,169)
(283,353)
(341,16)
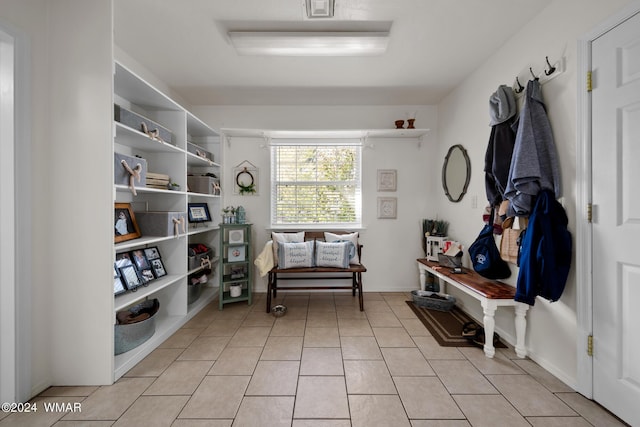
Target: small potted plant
(173,186)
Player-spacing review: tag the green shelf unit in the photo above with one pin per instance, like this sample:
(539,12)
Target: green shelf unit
(236,258)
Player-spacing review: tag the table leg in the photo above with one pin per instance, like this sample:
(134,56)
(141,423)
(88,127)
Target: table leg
(521,326)
(489,307)
(423,277)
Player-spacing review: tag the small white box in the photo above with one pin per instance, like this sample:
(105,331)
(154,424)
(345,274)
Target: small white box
(435,245)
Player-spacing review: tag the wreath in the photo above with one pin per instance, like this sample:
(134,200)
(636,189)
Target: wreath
(248,188)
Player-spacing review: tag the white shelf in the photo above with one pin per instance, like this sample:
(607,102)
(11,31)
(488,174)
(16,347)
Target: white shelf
(142,241)
(125,300)
(197,161)
(362,134)
(126,188)
(138,140)
(201,230)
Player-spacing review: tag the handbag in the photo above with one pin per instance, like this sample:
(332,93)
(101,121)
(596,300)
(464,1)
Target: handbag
(511,237)
(486,257)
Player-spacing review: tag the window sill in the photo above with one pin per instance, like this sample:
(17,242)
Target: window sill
(315,227)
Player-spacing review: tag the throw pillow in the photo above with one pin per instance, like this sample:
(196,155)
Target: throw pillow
(334,254)
(278,238)
(295,255)
(351,237)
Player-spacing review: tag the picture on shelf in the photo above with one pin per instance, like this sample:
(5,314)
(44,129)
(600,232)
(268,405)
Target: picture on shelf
(158,268)
(237,272)
(118,286)
(152,253)
(140,260)
(125,226)
(130,277)
(123,259)
(199,212)
(235,253)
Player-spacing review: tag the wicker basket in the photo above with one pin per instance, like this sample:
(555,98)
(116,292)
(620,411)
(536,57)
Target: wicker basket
(433,300)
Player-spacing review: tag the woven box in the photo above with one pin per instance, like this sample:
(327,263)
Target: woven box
(161,223)
(194,261)
(120,174)
(203,184)
(199,151)
(194,291)
(137,122)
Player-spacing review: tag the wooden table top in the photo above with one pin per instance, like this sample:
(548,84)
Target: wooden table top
(490,289)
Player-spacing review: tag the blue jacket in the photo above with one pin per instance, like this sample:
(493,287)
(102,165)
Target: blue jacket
(545,252)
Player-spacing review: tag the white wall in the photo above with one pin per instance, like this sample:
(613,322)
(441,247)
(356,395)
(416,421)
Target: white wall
(463,119)
(390,245)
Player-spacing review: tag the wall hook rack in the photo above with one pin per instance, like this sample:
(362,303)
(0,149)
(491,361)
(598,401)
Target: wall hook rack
(551,71)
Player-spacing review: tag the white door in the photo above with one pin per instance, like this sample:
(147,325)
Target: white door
(616,220)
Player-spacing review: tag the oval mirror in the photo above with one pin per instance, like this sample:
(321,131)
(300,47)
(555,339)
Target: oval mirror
(456,173)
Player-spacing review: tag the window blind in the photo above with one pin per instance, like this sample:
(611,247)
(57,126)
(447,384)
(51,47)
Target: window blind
(316,182)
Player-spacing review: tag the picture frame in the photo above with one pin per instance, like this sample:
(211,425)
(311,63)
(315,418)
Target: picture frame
(387,179)
(198,212)
(236,236)
(125,225)
(122,260)
(130,278)
(236,253)
(118,285)
(152,253)
(158,268)
(387,207)
(140,260)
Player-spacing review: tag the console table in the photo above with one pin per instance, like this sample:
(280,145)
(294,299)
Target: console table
(491,294)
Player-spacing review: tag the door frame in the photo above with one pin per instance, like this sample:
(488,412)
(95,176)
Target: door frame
(16,285)
(584,246)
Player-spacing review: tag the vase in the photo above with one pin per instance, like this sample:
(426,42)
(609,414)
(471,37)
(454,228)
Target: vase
(410,123)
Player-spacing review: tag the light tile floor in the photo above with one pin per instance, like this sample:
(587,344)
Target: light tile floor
(324,364)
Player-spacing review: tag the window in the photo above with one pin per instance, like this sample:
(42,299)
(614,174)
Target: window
(316,183)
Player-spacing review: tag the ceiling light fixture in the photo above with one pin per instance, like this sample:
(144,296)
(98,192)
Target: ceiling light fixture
(281,43)
(320,8)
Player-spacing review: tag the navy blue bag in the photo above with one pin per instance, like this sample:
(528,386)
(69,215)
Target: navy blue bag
(485,255)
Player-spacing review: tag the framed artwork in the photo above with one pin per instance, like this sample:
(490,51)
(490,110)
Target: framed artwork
(198,212)
(123,259)
(236,236)
(387,207)
(245,179)
(235,253)
(387,179)
(140,260)
(125,226)
(152,253)
(130,277)
(158,268)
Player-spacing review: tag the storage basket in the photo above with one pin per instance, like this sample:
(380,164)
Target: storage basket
(450,261)
(433,300)
(194,292)
(130,335)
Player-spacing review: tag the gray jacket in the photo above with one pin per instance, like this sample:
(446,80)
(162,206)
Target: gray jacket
(534,165)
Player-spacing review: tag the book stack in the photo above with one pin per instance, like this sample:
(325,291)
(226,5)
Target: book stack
(157,180)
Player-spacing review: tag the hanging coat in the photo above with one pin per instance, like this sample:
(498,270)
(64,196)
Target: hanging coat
(545,252)
(502,110)
(534,164)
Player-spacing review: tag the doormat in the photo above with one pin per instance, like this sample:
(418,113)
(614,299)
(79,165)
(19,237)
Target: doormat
(446,326)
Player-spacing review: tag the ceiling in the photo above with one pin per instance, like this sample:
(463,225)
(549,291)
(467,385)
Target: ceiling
(433,46)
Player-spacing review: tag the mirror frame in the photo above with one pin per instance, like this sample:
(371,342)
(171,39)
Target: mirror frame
(444,172)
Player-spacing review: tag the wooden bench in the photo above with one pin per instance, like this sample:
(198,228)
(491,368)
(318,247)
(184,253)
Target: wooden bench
(353,272)
(491,294)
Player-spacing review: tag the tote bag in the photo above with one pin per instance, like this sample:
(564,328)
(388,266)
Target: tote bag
(486,257)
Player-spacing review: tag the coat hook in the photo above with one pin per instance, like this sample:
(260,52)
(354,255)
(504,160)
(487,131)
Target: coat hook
(551,70)
(520,88)
(532,74)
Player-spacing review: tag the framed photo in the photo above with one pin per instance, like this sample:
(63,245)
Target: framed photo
(118,286)
(236,236)
(123,259)
(158,268)
(387,179)
(199,212)
(235,253)
(130,278)
(152,253)
(140,259)
(387,207)
(125,225)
